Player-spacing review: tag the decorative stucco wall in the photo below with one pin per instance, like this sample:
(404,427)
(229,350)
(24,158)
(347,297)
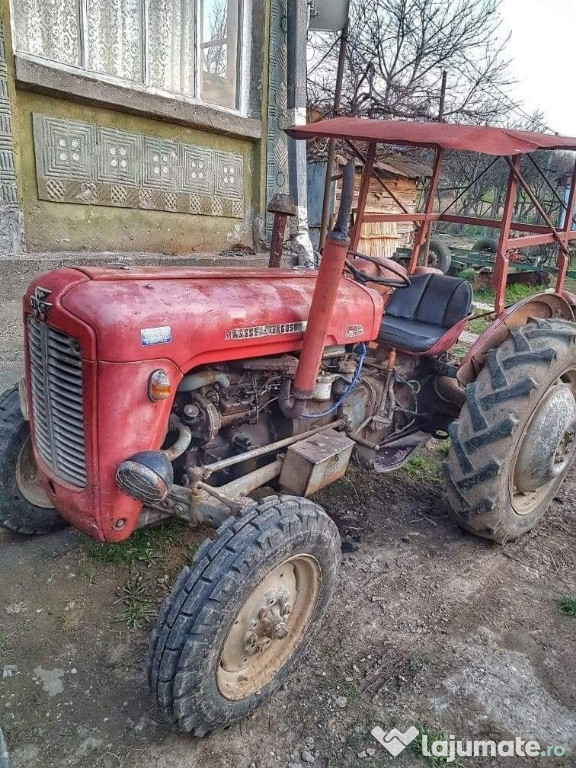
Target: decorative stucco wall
(86,164)
(10,216)
(277,145)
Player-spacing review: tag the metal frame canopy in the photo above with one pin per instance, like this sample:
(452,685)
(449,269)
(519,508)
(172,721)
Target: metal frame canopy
(497,142)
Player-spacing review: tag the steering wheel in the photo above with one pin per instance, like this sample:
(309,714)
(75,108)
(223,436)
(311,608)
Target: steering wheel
(361,277)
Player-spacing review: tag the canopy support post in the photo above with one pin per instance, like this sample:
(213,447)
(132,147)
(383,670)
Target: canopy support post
(344,37)
(423,232)
(501,264)
(363,197)
(562,259)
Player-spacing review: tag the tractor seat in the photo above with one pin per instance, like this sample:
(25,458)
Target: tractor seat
(417,318)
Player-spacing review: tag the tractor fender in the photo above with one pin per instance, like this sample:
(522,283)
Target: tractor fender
(541,305)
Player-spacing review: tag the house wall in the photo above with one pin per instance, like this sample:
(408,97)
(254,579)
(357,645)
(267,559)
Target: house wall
(117,217)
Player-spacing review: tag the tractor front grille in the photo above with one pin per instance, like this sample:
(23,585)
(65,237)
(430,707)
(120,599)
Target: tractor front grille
(56,394)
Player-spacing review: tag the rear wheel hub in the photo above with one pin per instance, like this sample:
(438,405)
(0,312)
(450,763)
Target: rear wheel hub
(548,444)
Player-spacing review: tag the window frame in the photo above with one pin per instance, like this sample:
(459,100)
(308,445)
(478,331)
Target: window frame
(244,58)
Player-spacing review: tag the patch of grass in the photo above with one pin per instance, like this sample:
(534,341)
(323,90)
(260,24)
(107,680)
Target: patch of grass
(467,274)
(444,447)
(427,464)
(460,350)
(514,292)
(415,466)
(138,608)
(144,546)
(519,291)
(432,736)
(567,605)
(479,324)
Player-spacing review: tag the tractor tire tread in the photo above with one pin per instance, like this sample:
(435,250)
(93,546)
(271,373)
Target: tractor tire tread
(480,436)
(180,639)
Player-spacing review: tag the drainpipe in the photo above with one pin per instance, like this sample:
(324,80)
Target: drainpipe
(325,295)
(297,34)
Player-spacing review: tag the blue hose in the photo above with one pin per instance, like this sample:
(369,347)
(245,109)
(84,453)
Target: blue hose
(346,392)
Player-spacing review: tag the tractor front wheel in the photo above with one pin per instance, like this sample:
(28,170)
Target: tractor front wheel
(515,439)
(239,618)
(24,506)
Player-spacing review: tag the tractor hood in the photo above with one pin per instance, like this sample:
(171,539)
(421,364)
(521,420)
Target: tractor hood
(197,316)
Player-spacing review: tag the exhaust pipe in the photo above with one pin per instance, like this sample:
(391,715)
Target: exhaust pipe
(327,283)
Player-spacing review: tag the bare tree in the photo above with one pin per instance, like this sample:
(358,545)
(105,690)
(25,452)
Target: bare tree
(398,50)
(547,173)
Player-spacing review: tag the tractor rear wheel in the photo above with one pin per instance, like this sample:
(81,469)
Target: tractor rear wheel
(24,506)
(239,618)
(515,439)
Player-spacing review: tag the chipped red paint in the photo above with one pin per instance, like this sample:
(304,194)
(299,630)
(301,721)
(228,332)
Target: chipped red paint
(106,309)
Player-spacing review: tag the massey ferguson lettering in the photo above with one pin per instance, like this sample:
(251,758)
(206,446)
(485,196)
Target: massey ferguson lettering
(258,331)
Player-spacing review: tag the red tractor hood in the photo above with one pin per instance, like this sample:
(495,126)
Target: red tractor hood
(131,322)
(198,316)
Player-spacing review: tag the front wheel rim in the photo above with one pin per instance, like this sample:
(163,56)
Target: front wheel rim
(269,627)
(27,478)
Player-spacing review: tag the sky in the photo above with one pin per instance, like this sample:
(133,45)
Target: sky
(542,49)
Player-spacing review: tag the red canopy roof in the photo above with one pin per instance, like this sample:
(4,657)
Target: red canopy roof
(473,138)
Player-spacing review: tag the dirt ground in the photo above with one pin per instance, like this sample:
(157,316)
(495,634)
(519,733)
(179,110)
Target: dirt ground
(429,627)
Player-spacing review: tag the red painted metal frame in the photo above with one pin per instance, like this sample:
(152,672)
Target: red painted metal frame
(563,261)
(537,234)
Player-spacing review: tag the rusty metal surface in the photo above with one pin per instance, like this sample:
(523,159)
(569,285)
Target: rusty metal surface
(265,449)
(284,204)
(286,364)
(316,462)
(471,138)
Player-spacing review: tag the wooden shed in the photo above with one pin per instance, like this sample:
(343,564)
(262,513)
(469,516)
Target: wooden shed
(404,178)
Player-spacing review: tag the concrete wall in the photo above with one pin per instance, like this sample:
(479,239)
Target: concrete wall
(64,226)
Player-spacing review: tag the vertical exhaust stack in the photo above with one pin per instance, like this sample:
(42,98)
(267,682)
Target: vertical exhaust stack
(327,283)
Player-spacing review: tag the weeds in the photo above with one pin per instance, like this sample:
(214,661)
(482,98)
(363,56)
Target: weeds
(444,448)
(514,292)
(467,274)
(479,325)
(426,465)
(460,350)
(138,608)
(433,760)
(144,546)
(567,605)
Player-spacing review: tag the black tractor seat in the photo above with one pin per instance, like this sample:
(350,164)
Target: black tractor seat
(416,318)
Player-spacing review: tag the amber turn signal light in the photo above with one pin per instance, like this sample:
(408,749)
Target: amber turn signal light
(159,387)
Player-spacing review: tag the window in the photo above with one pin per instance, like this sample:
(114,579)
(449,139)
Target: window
(186,47)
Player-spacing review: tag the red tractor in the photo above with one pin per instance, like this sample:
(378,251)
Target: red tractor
(153,393)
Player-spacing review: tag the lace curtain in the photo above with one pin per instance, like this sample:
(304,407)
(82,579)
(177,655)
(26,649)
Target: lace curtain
(153,43)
